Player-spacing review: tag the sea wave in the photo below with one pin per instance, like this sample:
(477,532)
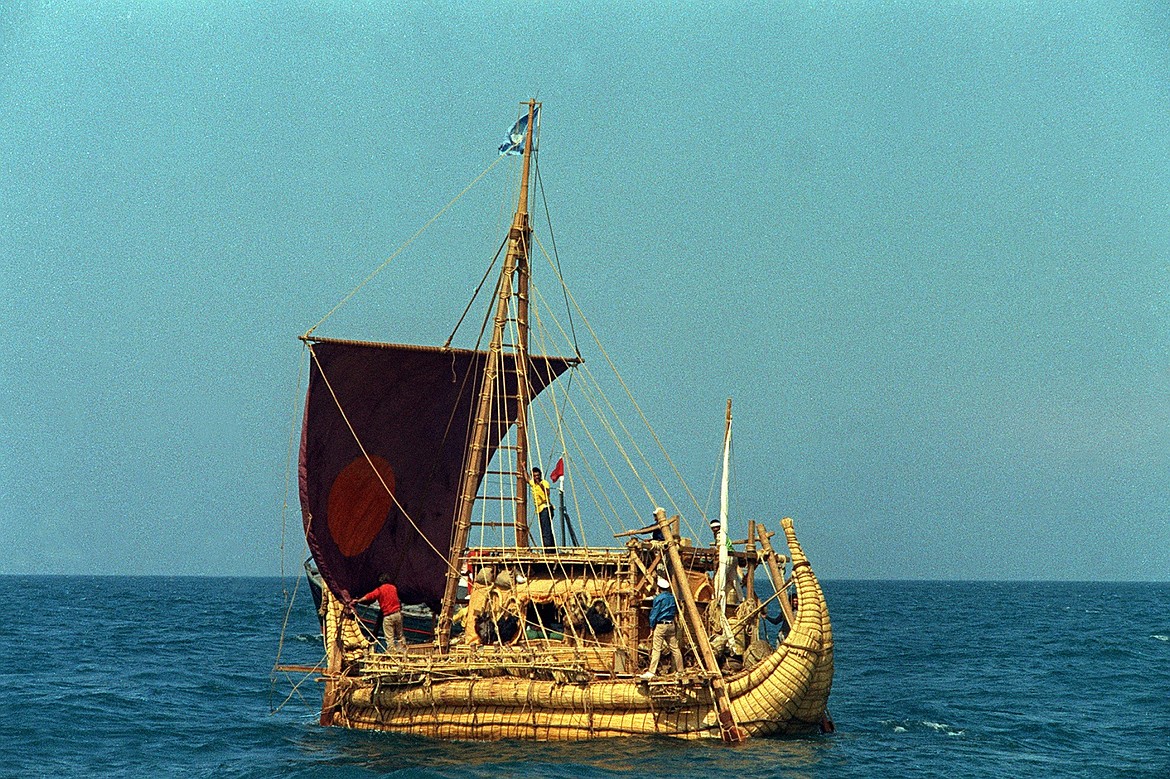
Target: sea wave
(174,676)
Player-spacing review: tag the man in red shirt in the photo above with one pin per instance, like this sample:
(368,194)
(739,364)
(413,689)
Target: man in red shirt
(387,596)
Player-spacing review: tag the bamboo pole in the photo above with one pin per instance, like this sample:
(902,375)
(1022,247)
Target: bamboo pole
(749,561)
(629,613)
(518,242)
(776,575)
(729,729)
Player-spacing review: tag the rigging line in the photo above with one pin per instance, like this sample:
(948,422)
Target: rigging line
(557,418)
(634,444)
(542,333)
(486,481)
(509,487)
(292,433)
(366,455)
(404,246)
(284,624)
(451,417)
(577,509)
(618,418)
(605,461)
(587,485)
(488,316)
(558,553)
(601,511)
(588,373)
(586,394)
(559,422)
(504,434)
(466,378)
(474,295)
(714,478)
(553,240)
(296,687)
(519,480)
(621,447)
(629,394)
(581,452)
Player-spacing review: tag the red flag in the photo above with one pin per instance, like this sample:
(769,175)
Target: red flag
(558,470)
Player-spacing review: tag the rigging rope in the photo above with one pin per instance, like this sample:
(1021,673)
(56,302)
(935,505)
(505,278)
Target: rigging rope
(625,387)
(296,687)
(292,434)
(603,419)
(553,240)
(289,600)
(284,625)
(474,295)
(403,247)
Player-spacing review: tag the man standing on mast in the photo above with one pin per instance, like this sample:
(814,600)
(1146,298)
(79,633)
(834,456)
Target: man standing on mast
(540,498)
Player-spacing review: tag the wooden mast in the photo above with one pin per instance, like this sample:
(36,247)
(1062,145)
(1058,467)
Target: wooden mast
(515,263)
(519,240)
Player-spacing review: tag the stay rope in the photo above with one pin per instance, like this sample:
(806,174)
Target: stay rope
(623,384)
(292,437)
(404,246)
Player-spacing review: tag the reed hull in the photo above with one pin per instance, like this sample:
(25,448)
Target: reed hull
(785,693)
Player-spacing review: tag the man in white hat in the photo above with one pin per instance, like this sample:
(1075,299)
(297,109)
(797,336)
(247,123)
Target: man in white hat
(663,616)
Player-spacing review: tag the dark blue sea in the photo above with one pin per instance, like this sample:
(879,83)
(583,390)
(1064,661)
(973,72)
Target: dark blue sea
(172,677)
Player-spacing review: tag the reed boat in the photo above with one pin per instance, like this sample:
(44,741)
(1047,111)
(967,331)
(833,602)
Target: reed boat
(416,464)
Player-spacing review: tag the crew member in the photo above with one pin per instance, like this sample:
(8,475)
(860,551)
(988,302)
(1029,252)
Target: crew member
(540,493)
(663,616)
(387,596)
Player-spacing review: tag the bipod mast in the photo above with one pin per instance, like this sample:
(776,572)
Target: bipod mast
(515,265)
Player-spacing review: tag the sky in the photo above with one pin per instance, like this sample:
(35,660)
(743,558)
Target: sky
(925,247)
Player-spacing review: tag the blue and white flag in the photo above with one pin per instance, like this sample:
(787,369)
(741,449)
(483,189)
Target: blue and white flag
(514,143)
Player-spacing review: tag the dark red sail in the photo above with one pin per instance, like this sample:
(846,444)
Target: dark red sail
(409,408)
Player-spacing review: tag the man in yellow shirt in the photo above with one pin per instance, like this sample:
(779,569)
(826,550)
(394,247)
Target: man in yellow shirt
(540,499)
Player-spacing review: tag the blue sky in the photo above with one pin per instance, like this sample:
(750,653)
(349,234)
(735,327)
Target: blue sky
(925,246)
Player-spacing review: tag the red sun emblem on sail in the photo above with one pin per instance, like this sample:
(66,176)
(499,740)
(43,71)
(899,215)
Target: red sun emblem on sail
(359,502)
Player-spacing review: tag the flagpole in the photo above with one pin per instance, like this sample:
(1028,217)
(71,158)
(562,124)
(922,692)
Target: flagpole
(562,509)
(558,474)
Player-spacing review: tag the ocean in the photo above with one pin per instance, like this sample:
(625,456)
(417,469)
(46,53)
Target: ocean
(125,676)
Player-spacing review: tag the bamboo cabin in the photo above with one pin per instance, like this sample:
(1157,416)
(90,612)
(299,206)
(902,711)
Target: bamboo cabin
(415,463)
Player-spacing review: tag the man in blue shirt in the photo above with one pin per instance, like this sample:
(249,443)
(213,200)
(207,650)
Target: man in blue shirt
(663,618)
